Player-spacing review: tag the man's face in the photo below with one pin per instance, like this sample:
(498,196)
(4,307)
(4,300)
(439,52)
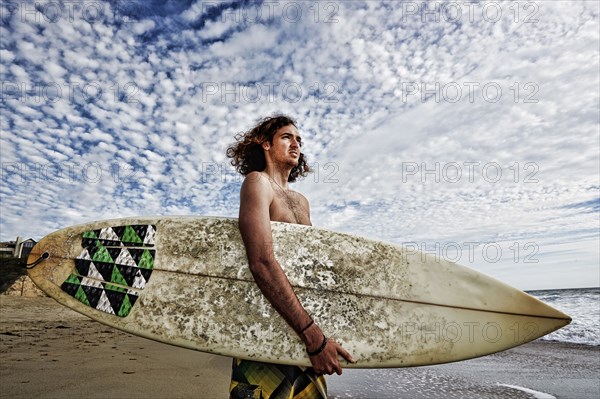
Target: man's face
(285,147)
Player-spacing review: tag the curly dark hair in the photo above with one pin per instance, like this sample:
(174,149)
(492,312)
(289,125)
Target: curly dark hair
(247,153)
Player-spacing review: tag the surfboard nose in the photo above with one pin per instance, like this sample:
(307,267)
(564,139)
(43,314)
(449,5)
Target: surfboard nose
(536,307)
(559,322)
(560,315)
(565,316)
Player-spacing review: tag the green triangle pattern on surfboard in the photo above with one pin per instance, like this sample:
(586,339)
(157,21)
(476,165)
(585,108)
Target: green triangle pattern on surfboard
(146,260)
(107,246)
(130,236)
(104,297)
(117,277)
(125,307)
(73,279)
(81,296)
(89,234)
(102,255)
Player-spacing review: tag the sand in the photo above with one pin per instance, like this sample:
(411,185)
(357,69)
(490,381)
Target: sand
(49,351)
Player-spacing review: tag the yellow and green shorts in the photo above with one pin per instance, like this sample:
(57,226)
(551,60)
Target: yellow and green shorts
(257,380)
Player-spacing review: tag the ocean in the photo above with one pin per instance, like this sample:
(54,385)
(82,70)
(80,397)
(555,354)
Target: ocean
(542,370)
(583,305)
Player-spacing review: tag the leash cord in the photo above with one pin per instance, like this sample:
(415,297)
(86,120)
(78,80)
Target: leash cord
(42,258)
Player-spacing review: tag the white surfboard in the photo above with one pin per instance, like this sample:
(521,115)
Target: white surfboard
(185,281)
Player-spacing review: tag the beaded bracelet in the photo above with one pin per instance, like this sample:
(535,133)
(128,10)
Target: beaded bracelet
(323,345)
(307,327)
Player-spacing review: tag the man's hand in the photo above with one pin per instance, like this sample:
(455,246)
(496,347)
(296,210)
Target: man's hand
(327,361)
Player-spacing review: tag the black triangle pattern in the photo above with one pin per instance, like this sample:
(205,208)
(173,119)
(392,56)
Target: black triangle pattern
(82,266)
(92,249)
(89,242)
(93,294)
(115,295)
(132,298)
(114,252)
(105,269)
(102,241)
(70,288)
(136,254)
(141,230)
(145,273)
(119,230)
(116,299)
(128,273)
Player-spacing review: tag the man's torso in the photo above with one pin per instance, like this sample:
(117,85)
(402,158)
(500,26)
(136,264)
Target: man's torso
(288,206)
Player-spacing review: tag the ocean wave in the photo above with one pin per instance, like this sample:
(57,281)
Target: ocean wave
(583,305)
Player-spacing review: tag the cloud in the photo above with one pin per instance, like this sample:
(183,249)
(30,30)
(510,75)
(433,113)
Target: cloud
(256,38)
(408,116)
(142,27)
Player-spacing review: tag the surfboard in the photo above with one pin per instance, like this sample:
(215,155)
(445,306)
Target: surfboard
(185,281)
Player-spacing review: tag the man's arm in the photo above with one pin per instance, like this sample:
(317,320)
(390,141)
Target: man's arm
(255,227)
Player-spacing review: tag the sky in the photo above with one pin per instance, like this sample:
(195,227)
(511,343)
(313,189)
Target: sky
(469,130)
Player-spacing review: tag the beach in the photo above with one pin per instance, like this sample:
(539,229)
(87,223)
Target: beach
(49,351)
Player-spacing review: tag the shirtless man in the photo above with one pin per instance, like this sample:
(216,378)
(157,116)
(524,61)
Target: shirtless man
(270,158)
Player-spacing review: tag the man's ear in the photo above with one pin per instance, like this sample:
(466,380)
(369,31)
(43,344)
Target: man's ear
(266,145)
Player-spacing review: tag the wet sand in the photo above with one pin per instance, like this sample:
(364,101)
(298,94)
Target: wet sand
(49,351)
(555,369)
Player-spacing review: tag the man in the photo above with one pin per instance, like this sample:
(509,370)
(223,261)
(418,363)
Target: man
(270,158)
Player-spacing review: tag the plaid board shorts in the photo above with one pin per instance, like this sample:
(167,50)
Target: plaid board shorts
(257,380)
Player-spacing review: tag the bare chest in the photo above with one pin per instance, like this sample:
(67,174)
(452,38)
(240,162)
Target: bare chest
(289,207)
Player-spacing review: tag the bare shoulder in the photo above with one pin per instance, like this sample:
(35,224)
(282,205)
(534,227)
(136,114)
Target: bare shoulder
(256,184)
(256,179)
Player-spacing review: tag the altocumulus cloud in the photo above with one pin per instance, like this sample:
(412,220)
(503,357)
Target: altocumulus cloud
(458,128)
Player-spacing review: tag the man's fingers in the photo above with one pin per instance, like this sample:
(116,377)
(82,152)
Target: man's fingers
(330,363)
(338,368)
(345,354)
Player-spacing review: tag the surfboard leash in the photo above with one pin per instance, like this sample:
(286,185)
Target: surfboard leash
(42,258)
